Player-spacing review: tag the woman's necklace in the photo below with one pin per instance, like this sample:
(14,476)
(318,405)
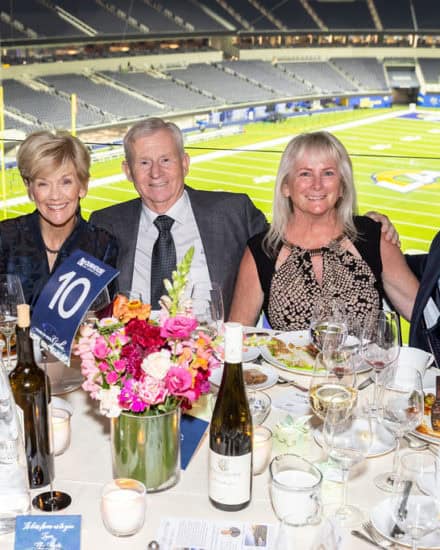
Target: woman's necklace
(51,250)
(315,251)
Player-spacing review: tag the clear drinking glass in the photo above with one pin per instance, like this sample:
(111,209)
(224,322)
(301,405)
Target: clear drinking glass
(380,345)
(99,303)
(328,326)
(416,515)
(333,381)
(11,294)
(347,442)
(207,307)
(400,411)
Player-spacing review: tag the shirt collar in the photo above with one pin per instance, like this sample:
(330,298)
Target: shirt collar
(179,210)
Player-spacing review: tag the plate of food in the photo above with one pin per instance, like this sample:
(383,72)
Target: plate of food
(253,339)
(256,377)
(425,431)
(291,351)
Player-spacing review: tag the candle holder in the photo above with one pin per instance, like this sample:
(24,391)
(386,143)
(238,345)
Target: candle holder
(123,506)
(61,431)
(262,448)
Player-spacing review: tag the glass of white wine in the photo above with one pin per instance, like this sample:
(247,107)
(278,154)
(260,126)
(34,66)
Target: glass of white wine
(333,381)
(11,295)
(207,307)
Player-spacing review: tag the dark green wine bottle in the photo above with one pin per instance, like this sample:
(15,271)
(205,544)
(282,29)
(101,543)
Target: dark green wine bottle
(31,390)
(230,434)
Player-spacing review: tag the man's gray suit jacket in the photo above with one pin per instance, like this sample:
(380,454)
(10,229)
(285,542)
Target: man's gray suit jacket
(226,221)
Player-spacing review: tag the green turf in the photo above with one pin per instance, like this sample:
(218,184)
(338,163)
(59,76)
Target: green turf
(416,214)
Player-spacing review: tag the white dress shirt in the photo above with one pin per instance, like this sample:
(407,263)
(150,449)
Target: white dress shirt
(185,234)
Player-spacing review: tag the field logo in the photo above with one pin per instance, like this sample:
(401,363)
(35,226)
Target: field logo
(405,181)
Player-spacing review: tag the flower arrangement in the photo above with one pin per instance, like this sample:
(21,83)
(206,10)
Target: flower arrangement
(130,363)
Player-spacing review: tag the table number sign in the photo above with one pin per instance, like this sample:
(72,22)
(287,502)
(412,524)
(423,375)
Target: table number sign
(66,298)
(48,532)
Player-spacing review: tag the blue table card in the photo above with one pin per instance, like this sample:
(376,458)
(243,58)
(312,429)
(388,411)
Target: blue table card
(65,299)
(192,430)
(48,532)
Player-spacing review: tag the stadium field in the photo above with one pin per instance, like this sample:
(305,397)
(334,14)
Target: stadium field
(395,156)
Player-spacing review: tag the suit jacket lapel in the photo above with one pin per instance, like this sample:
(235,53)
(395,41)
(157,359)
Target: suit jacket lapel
(129,228)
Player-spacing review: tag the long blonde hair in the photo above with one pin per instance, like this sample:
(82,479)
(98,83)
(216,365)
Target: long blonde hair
(323,144)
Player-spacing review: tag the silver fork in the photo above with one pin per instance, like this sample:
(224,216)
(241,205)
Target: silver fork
(368,527)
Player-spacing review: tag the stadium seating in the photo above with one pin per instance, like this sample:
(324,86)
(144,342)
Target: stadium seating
(430,70)
(427,14)
(293,15)
(50,109)
(174,96)
(152,18)
(109,99)
(392,18)
(251,14)
(321,76)
(367,72)
(272,77)
(349,15)
(221,84)
(194,15)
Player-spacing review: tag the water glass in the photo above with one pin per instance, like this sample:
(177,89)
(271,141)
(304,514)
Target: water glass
(123,506)
(295,490)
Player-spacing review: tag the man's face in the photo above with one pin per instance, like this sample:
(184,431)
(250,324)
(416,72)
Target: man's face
(157,169)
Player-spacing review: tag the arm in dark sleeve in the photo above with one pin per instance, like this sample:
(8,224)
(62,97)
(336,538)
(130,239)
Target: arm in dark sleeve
(256,219)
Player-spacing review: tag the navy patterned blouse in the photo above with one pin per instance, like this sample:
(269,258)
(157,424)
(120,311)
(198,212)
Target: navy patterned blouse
(22,250)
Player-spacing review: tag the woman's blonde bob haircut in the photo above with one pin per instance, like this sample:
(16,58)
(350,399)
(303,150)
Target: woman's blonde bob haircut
(320,145)
(42,150)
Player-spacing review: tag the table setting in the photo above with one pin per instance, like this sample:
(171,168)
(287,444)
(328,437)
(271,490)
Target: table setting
(328,414)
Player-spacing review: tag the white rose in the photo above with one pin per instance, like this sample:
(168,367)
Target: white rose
(109,405)
(157,364)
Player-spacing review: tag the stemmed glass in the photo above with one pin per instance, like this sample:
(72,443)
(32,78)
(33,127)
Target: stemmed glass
(416,515)
(333,382)
(400,411)
(101,302)
(380,345)
(11,295)
(207,307)
(328,327)
(347,442)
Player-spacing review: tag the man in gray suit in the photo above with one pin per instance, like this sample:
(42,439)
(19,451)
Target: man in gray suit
(218,224)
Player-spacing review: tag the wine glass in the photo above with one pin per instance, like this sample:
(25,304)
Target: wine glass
(380,344)
(333,381)
(11,294)
(347,441)
(100,303)
(401,410)
(207,307)
(328,327)
(415,514)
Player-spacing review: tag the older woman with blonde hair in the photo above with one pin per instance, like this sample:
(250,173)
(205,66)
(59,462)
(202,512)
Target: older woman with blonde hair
(317,249)
(55,170)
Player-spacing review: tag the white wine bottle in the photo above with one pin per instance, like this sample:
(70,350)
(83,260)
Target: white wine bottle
(30,388)
(230,434)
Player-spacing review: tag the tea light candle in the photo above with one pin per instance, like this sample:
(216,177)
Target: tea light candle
(262,448)
(123,507)
(60,430)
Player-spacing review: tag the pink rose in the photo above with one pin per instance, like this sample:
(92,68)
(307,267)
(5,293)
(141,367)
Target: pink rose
(103,366)
(101,349)
(152,391)
(178,327)
(111,377)
(178,381)
(120,365)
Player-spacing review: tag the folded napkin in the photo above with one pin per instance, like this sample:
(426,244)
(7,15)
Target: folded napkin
(329,536)
(292,432)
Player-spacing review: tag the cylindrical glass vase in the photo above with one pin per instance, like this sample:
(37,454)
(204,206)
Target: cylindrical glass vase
(147,448)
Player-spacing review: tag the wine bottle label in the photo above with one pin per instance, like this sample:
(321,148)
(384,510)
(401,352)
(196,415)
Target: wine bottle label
(233,343)
(20,418)
(229,478)
(8,451)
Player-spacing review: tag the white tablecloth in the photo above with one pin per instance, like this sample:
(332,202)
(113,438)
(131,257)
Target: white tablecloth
(86,467)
